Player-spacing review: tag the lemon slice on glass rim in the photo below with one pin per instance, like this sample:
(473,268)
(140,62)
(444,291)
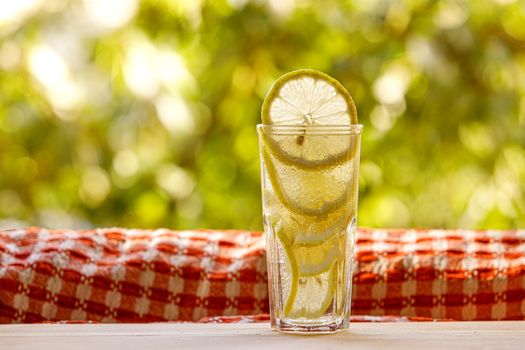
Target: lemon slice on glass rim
(307,97)
(296,103)
(299,100)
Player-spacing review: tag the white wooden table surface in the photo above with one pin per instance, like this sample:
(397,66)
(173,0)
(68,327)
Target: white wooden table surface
(172,336)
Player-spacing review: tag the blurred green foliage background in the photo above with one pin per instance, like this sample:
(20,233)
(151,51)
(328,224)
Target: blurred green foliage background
(142,113)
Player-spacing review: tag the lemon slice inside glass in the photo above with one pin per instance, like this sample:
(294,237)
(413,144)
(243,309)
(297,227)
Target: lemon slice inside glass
(315,233)
(309,151)
(304,193)
(309,273)
(288,269)
(314,295)
(314,260)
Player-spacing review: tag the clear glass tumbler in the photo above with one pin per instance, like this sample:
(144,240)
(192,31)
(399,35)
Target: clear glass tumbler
(309,194)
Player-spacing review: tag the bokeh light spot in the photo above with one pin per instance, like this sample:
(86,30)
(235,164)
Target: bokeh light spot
(176,181)
(95,186)
(126,163)
(110,14)
(175,114)
(451,14)
(11,11)
(139,69)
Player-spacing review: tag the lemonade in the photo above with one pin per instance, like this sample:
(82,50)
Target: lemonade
(309,146)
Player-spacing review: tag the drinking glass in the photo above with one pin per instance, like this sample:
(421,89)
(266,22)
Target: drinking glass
(309,180)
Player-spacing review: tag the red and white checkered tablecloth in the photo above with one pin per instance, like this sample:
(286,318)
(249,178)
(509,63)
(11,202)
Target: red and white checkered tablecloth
(118,275)
(443,274)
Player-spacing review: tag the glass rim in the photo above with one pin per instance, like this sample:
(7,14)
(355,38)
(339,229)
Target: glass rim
(352,129)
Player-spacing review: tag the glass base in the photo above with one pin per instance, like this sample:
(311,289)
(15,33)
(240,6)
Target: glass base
(309,327)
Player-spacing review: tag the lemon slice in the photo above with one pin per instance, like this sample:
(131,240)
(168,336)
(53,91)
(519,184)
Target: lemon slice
(314,260)
(289,271)
(308,97)
(317,233)
(313,152)
(304,193)
(312,253)
(314,295)
(308,273)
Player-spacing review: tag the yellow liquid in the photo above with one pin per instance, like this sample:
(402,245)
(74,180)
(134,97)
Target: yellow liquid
(310,220)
